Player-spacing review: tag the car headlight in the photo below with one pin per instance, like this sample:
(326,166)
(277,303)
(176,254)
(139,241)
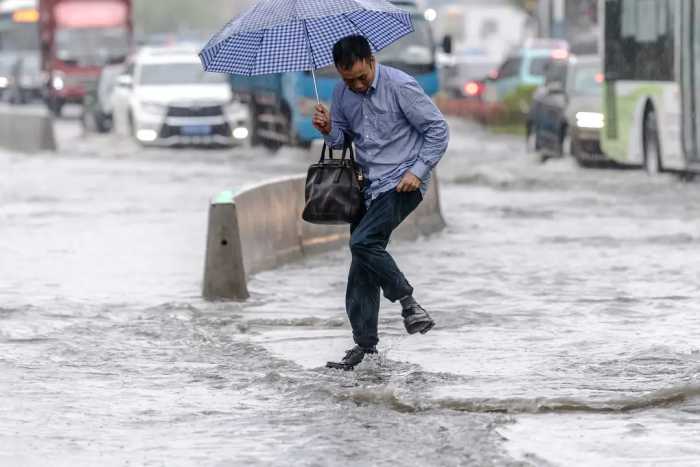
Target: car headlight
(153,108)
(240,132)
(58,82)
(595,120)
(4,82)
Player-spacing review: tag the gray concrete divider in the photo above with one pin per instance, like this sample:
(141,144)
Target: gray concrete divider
(260,228)
(27,130)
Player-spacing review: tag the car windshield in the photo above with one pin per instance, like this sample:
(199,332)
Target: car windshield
(31,62)
(6,63)
(178,73)
(587,81)
(19,37)
(538,66)
(477,71)
(92,46)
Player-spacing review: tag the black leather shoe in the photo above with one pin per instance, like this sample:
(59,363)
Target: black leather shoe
(416,319)
(352,358)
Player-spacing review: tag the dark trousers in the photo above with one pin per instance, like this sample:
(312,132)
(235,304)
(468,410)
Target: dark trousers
(372,267)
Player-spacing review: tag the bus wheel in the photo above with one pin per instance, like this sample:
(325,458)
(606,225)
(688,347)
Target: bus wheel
(652,147)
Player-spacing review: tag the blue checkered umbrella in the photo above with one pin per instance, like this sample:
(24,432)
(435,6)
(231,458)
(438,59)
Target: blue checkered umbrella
(277,36)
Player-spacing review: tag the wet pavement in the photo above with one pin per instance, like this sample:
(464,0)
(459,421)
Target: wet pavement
(566,302)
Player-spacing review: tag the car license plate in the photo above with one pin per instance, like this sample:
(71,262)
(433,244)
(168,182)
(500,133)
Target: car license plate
(196,130)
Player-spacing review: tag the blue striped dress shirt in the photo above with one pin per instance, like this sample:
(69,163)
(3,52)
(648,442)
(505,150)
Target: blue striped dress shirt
(395,126)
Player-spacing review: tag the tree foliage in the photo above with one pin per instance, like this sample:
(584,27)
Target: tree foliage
(527,5)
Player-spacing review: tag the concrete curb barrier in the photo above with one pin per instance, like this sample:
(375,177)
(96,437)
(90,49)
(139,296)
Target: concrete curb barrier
(27,130)
(260,228)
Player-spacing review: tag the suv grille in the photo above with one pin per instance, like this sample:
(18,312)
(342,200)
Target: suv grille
(195,111)
(167,131)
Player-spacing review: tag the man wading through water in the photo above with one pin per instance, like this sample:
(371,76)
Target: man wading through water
(399,136)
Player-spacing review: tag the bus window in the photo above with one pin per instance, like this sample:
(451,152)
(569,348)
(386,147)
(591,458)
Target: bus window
(639,40)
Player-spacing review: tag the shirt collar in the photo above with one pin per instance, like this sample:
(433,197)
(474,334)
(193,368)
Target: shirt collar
(376,77)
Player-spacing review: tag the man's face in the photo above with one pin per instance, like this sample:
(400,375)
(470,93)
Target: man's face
(359,78)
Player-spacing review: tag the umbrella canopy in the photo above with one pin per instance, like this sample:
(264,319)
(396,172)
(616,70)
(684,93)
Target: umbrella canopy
(277,36)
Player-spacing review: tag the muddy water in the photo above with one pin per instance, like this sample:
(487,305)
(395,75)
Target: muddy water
(566,302)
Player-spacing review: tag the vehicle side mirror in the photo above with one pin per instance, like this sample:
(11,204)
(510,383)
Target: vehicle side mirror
(125,81)
(447,44)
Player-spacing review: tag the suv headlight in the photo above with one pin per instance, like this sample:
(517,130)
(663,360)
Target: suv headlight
(153,108)
(240,132)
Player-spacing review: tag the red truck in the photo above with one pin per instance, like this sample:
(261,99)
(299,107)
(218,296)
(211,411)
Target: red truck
(78,38)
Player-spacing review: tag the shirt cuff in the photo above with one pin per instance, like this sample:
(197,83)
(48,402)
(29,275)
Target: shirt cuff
(420,169)
(333,138)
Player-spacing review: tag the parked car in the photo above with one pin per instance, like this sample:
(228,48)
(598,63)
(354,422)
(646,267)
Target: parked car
(523,69)
(566,116)
(26,83)
(20,77)
(97,106)
(165,98)
(6,62)
(459,70)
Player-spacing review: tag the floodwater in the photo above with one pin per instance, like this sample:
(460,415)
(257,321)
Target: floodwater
(566,300)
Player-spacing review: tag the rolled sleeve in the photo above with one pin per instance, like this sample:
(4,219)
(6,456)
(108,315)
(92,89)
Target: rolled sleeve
(425,117)
(335,138)
(420,169)
(339,124)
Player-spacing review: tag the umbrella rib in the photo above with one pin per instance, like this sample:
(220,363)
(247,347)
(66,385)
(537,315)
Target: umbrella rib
(357,28)
(393,17)
(257,52)
(308,42)
(251,12)
(219,47)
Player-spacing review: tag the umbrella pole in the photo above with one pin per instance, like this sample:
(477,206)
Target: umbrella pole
(313,74)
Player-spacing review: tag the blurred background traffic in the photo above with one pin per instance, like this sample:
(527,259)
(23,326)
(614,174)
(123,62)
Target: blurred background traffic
(560,73)
(566,292)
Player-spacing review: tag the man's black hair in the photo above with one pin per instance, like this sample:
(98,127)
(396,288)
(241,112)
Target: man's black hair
(350,50)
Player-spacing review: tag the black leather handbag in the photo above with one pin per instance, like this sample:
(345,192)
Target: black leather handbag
(334,189)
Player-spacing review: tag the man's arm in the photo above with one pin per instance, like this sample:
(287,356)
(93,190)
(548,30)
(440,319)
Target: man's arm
(425,117)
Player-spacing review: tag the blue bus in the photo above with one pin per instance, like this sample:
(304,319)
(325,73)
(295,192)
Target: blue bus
(281,105)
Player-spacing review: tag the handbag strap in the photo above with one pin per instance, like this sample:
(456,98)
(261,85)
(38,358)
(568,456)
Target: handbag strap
(348,147)
(323,153)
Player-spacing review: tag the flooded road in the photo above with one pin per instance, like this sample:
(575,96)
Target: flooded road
(566,300)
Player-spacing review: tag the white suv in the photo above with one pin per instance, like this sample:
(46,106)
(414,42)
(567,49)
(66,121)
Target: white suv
(165,98)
